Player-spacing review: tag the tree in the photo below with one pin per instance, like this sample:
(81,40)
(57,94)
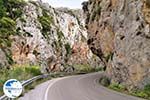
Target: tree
(2,9)
(8,27)
(14,7)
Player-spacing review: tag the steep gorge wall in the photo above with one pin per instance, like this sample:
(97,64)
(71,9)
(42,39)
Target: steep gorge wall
(51,38)
(119,33)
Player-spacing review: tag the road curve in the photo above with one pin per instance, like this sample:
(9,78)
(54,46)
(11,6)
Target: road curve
(80,87)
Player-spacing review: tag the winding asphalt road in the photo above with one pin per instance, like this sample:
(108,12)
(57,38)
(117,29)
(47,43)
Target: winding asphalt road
(80,87)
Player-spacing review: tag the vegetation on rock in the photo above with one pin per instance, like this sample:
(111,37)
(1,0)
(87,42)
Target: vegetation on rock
(18,72)
(143,93)
(46,22)
(10,10)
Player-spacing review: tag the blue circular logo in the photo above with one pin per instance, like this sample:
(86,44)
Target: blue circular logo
(12,88)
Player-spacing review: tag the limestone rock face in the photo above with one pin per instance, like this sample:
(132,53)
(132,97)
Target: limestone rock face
(51,37)
(119,33)
(3,59)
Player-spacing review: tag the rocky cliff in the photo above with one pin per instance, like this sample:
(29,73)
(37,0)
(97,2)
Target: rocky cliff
(49,37)
(119,34)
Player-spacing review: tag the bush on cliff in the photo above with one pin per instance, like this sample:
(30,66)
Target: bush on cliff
(18,72)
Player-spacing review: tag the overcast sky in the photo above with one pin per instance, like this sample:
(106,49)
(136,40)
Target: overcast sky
(65,3)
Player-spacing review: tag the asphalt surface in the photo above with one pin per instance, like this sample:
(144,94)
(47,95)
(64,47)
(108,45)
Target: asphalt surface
(80,87)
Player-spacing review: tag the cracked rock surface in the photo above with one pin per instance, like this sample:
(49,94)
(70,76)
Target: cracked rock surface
(119,33)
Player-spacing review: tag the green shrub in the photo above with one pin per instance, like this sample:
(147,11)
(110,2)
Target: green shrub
(97,69)
(105,81)
(5,33)
(14,8)
(7,22)
(9,57)
(19,72)
(16,3)
(139,93)
(5,42)
(117,87)
(45,22)
(7,28)
(57,45)
(22,19)
(44,12)
(109,56)
(17,13)
(68,51)
(2,9)
(11,8)
(34,70)
(147,89)
(145,93)
(60,35)
(68,48)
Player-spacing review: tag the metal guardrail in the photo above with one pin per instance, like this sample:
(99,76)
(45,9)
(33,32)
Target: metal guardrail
(29,81)
(25,83)
(4,97)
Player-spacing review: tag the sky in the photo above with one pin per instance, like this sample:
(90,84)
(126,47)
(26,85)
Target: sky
(65,3)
